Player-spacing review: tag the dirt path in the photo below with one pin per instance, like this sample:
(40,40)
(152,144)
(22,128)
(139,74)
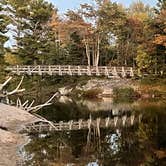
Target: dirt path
(11,121)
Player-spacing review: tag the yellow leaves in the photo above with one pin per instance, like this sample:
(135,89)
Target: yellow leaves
(140,16)
(11,59)
(160,154)
(160,40)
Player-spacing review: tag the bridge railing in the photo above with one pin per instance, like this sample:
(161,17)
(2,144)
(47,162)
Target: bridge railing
(116,122)
(72,70)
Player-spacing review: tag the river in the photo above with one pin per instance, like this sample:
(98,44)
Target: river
(140,143)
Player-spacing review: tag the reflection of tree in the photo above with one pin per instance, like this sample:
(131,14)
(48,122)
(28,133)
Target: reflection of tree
(65,112)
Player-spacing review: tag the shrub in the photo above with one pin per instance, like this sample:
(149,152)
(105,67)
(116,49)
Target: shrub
(124,94)
(92,93)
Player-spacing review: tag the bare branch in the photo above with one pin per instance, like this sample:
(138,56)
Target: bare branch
(38,107)
(25,103)
(17,90)
(5,83)
(45,120)
(31,104)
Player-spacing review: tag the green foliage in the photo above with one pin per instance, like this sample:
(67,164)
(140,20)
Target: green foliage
(11,59)
(158,24)
(105,31)
(124,94)
(3,30)
(75,51)
(144,61)
(35,38)
(92,93)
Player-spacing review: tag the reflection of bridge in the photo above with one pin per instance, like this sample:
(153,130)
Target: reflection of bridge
(116,122)
(73,70)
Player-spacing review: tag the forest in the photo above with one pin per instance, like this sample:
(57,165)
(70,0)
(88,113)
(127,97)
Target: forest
(101,33)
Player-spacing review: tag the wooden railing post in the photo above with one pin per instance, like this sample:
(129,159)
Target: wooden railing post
(123,72)
(70,124)
(80,124)
(97,71)
(107,121)
(29,70)
(60,71)
(89,71)
(131,72)
(69,70)
(17,70)
(79,71)
(106,71)
(124,120)
(39,70)
(49,70)
(132,119)
(115,121)
(115,73)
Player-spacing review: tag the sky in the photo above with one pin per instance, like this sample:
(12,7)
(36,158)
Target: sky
(63,5)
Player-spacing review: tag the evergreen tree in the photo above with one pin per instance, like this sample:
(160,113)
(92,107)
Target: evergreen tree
(34,36)
(3,30)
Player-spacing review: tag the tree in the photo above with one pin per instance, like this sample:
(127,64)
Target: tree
(71,33)
(143,60)
(107,18)
(33,34)
(134,33)
(159,25)
(3,30)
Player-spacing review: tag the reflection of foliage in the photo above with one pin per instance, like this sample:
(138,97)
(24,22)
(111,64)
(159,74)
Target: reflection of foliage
(124,94)
(47,148)
(129,146)
(65,112)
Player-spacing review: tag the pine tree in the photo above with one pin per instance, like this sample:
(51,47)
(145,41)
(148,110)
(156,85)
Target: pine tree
(3,30)
(34,36)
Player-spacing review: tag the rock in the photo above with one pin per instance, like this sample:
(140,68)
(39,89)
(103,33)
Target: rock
(65,91)
(107,92)
(7,137)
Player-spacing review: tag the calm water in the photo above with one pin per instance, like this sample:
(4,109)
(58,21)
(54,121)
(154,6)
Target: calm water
(140,144)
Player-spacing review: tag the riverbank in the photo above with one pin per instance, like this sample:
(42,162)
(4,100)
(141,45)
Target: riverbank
(117,88)
(12,120)
(39,88)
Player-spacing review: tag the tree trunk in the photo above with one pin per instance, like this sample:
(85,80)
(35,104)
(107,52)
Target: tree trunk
(98,51)
(87,52)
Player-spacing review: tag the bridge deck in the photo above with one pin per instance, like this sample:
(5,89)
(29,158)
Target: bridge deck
(115,122)
(73,70)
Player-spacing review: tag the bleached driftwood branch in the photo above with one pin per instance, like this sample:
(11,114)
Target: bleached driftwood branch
(5,83)
(45,120)
(30,108)
(17,90)
(38,107)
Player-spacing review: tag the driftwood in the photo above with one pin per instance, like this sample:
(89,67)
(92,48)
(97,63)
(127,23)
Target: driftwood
(26,105)
(5,83)
(16,90)
(29,106)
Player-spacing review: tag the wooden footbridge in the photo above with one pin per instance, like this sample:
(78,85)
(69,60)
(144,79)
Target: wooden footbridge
(73,70)
(115,122)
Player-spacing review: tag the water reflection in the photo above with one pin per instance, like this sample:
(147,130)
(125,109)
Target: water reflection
(135,145)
